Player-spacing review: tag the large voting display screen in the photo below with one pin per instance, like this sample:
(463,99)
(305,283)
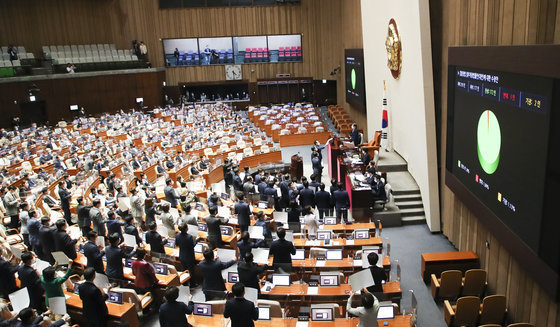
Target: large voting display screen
(355,78)
(502,148)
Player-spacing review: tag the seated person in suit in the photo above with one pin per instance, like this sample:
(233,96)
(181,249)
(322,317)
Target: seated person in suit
(213,284)
(174,313)
(249,271)
(378,190)
(241,311)
(28,317)
(282,250)
(378,274)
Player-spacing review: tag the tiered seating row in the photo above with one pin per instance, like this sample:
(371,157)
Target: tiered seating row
(341,119)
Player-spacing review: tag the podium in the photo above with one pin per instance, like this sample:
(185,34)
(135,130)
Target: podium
(296,166)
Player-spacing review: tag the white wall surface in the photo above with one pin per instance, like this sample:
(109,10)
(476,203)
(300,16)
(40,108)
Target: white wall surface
(410,98)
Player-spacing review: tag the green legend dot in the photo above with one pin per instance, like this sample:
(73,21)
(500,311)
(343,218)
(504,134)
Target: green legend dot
(353,78)
(489,141)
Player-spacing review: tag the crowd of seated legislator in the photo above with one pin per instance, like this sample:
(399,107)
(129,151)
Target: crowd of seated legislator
(110,219)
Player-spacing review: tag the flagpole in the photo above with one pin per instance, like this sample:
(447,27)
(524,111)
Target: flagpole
(385,121)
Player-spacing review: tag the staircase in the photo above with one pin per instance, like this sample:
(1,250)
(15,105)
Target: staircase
(410,206)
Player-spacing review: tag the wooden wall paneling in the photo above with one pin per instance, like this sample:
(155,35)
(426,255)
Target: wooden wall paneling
(520,21)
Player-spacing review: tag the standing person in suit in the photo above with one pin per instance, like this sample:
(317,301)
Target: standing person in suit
(294,212)
(11,204)
(136,206)
(237,182)
(63,242)
(113,224)
(115,254)
(33,226)
(186,244)
(306,196)
(151,211)
(323,200)
(249,271)
(93,253)
(97,218)
(29,278)
(130,229)
(84,222)
(282,251)
(173,313)
(154,239)
(8,284)
(241,311)
(285,192)
(93,299)
(213,284)
(245,245)
(319,148)
(168,221)
(355,135)
(46,238)
(378,273)
(243,212)
(317,166)
(170,194)
(341,203)
(272,194)
(213,223)
(65,197)
(228,175)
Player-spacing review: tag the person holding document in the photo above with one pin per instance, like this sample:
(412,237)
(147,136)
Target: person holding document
(367,312)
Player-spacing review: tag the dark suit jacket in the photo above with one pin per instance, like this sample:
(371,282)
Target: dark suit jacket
(173,314)
(63,242)
(114,256)
(213,223)
(132,230)
(7,271)
(307,197)
(249,273)
(94,256)
(378,275)
(29,278)
(46,237)
(341,199)
(170,195)
(83,215)
(366,158)
(212,272)
(355,136)
(243,213)
(114,226)
(323,199)
(156,243)
(282,250)
(94,306)
(237,183)
(65,197)
(186,244)
(242,312)
(379,191)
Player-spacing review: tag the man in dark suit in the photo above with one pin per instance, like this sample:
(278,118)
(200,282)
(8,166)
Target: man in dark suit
(130,229)
(341,203)
(170,194)
(237,182)
(174,313)
(243,212)
(115,254)
(282,250)
(186,244)
(29,278)
(355,135)
(160,170)
(63,242)
(249,271)
(213,223)
(46,238)
(285,191)
(271,194)
(93,254)
(378,190)
(135,163)
(8,278)
(228,175)
(93,299)
(154,239)
(323,200)
(317,166)
(84,222)
(241,311)
(377,273)
(213,284)
(366,158)
(65,197)
(306,196)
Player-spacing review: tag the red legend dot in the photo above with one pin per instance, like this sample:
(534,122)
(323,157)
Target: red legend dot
(476,178)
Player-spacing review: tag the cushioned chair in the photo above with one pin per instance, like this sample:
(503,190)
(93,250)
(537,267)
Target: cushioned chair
(316,252)
(448,286)
(493,310)
(521,324)
(275,308)
(374,144)
(140,302)
(465,313)
(474,283)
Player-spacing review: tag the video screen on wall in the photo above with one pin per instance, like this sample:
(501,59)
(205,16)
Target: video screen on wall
(355,78)
(232,50)
(500,123)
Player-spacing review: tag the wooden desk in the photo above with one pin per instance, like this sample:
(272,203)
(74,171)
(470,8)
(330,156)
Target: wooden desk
(117,312)
(340,264)
(303,138)
(343,243)
(391,289)
(346,228)
(218,321)
(436,263)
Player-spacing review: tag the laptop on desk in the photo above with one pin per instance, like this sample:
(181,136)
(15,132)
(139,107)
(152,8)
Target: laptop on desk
(328,280)
(115,297)
(386,312)
(322,314)
(281,279)
(202,309)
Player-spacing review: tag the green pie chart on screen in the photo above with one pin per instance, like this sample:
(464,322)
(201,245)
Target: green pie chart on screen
(353,78)
(489,141)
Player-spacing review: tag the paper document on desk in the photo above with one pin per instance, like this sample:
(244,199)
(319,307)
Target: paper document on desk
(251,294)
(19,299)
(184,292)
(260,255)
(256,232)
(57,305)
(312,290)
(225,255)
(349,242)
(302,324)
(127,270)
(129,240)
(361,279)
(124,204)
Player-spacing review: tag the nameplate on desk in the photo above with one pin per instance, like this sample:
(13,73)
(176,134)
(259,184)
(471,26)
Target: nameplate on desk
(335,243)
(357,263)
(312,243)
(320,263)
(312,290)
(313,284)
(349,242)
(303,318)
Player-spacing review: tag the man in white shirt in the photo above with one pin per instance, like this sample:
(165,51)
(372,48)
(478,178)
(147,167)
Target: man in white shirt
(367,312)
